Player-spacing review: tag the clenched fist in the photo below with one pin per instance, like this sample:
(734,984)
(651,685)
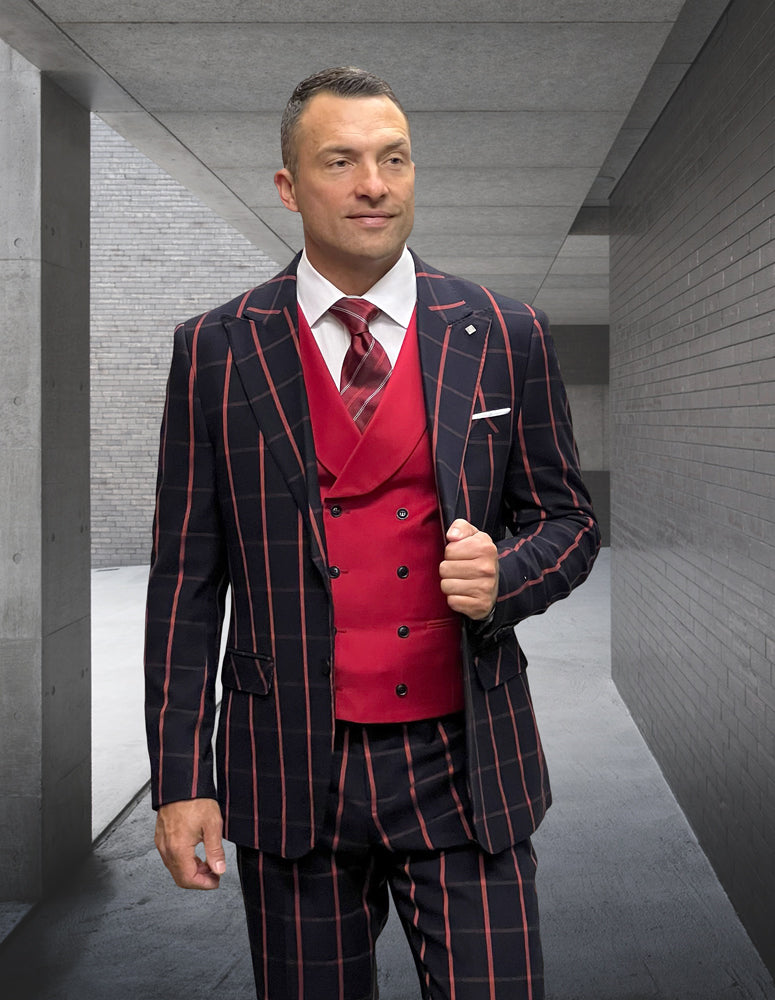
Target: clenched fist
(469,572)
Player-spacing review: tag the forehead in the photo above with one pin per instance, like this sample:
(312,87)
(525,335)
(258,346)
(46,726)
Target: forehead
(329,119)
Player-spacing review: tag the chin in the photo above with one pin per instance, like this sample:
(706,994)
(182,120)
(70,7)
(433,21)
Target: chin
(380,245)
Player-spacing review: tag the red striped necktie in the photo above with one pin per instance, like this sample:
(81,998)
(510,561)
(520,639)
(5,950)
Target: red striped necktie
(366,368)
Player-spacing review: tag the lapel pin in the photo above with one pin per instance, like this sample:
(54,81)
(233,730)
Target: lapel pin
(470,329)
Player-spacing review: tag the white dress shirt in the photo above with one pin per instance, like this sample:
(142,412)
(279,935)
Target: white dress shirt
(395,294)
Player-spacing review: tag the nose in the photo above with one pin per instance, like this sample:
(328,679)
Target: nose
(370,183)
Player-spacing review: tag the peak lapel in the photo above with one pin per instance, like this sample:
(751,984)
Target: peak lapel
(452,338)
(265,347)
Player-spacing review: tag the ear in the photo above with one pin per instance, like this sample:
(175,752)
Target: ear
(283,181)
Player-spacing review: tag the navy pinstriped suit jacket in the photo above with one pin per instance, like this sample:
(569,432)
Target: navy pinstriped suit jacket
(238,502)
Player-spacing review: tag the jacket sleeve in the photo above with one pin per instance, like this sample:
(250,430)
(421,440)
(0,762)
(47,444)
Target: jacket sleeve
(554,535)
(186,593)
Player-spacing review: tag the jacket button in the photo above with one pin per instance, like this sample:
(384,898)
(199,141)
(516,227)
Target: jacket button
(403,631)
(334,572)
(326,668)
(336,510)
(402,572)
(402,690)
(402,513)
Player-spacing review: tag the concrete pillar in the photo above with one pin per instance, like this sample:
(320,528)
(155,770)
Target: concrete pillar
(45,703)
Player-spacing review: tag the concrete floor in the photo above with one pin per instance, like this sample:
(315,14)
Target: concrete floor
(631,908)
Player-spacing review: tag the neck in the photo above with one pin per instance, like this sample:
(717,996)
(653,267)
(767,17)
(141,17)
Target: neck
(353,281)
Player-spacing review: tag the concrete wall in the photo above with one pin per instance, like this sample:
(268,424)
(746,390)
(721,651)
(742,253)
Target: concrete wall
(158,257)
(45,738)
(583,356)
(693,452)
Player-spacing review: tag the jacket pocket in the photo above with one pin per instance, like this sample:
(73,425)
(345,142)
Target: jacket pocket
(499,663)
(251,672)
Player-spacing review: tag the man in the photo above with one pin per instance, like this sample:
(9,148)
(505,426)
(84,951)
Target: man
(378,459)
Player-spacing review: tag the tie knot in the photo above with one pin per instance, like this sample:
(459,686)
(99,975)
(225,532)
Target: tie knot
(356,314)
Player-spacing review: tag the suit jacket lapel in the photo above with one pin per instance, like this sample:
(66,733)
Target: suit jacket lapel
(452,338)
(265,347)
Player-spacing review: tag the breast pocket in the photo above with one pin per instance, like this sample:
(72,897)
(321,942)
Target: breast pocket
(495,420)
(484,468)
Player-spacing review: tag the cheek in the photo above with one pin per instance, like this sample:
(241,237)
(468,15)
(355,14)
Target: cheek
(321,207)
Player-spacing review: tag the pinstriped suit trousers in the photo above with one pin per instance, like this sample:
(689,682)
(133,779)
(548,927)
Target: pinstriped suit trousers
(397,820)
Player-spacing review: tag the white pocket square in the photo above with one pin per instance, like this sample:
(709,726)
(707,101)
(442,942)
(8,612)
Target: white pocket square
(491,413)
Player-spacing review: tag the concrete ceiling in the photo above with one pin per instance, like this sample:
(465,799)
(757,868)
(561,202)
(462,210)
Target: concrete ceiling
(524,113)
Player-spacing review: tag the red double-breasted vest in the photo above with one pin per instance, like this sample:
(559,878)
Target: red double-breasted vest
(397,644)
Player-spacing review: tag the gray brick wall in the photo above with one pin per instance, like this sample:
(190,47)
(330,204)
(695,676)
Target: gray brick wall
(583,355)
(693,452)
(158,257)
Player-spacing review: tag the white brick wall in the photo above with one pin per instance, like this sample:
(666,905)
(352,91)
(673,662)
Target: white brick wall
(158,257)
(693,440)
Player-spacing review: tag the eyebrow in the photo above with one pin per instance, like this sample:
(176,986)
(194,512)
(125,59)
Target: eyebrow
(387,148)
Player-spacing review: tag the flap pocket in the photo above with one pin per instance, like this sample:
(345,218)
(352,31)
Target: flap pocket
(251,672)
(500,663)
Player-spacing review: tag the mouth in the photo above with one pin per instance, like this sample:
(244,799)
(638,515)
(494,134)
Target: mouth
(371,218)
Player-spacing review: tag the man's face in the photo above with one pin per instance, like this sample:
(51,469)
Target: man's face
(353,185)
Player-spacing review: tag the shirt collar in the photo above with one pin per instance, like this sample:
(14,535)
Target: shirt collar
(395,294)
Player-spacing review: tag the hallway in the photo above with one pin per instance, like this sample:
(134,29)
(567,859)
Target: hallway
(631,908)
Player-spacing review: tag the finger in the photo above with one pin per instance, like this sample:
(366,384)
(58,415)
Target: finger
(203,877)
(181,862)
(459,529)
(473,597)
(476,546)
(471,587)
(214,853)
(180,826)
(477,568)
(474,608)
(467,588)
(459,569)
(189,871)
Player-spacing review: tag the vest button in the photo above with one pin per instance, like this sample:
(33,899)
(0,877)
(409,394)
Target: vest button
(326,668)
(402,513)
(336,510)
(402,690)
(403,631)
(334,572)
(402,572)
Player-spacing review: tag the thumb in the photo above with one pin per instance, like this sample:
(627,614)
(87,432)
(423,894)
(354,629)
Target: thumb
(460,528)
(215,855)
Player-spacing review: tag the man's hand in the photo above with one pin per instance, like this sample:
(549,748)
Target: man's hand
(469,572)
(180,827)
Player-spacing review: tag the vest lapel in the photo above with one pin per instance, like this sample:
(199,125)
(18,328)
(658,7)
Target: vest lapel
(452,339)
(264,344)
(393,432)
(360,463)
(336,435)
